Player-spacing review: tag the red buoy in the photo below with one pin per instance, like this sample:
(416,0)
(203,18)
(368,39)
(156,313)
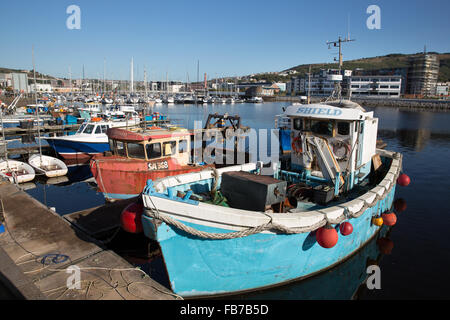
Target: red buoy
(389,219)
(346,228)
(400,205)
(385,245)
(130,219)
(403,180)
(327,237)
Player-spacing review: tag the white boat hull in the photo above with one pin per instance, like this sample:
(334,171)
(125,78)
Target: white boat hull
(16,171)
(50,166)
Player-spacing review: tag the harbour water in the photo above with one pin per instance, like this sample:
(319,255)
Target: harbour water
(415,268)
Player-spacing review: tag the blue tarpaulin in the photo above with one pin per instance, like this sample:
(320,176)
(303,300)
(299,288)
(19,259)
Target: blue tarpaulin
(285,140)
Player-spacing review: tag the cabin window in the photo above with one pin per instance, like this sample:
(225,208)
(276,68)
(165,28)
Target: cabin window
(136,150)
(120,148)
(89,129)
(343,128)
(104,128)
(322,127)
(98,130)
(298,124)
(182,146)
(81,128)
(169,148)
(154,150)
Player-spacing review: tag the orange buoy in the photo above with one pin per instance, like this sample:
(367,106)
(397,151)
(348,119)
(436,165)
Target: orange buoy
(385,245)
(327,237)
(130,218)
(346,228)
(400,205)
(378,221)
(403,180)
(389,219)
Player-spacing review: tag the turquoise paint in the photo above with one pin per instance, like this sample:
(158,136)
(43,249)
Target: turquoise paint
(119,196)
(206,267)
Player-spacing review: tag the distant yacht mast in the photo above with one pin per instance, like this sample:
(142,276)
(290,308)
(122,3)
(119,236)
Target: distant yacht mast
(131,76)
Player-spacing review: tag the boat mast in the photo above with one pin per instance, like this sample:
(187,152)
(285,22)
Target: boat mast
(145,99)
(309,85)
(131,76)
(338,43)
(37,107)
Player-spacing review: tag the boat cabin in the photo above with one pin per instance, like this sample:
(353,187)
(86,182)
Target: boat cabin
(152,144)
(332,143)
(93,128)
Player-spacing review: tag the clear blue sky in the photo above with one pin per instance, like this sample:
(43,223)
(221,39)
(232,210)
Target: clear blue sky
(228,37)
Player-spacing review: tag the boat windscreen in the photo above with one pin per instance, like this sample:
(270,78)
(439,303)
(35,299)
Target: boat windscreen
(80,130)
(89,129)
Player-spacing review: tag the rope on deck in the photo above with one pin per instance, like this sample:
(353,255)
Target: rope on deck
(271,226)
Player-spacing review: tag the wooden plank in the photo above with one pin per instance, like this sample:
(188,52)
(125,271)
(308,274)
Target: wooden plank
(376,161)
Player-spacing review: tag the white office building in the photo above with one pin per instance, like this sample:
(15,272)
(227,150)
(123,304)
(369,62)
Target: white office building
(376,86)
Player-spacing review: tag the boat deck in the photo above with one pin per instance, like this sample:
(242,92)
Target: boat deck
(38,246)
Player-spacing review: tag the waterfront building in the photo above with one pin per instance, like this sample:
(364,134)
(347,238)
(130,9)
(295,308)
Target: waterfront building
(376,86)
(281,86)
(40,87)
(423,73)
(319,84)
(18,81)
(442,88)
(322,84)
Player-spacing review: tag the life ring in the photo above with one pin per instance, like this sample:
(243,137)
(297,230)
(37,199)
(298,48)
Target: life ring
(96,119)
(338,146)
(296,145)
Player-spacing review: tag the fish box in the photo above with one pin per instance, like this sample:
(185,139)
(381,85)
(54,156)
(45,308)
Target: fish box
(323,194)
(249,191)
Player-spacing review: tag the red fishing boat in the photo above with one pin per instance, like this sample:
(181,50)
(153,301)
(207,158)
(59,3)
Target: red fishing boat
(138,155)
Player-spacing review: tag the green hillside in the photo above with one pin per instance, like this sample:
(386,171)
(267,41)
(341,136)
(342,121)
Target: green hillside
(389,61)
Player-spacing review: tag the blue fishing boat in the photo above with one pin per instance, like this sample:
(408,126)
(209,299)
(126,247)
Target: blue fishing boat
(235,229)
(90,139)
(248,227)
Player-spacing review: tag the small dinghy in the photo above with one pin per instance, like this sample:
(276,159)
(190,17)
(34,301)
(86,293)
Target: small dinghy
(50,166)
(16,171)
